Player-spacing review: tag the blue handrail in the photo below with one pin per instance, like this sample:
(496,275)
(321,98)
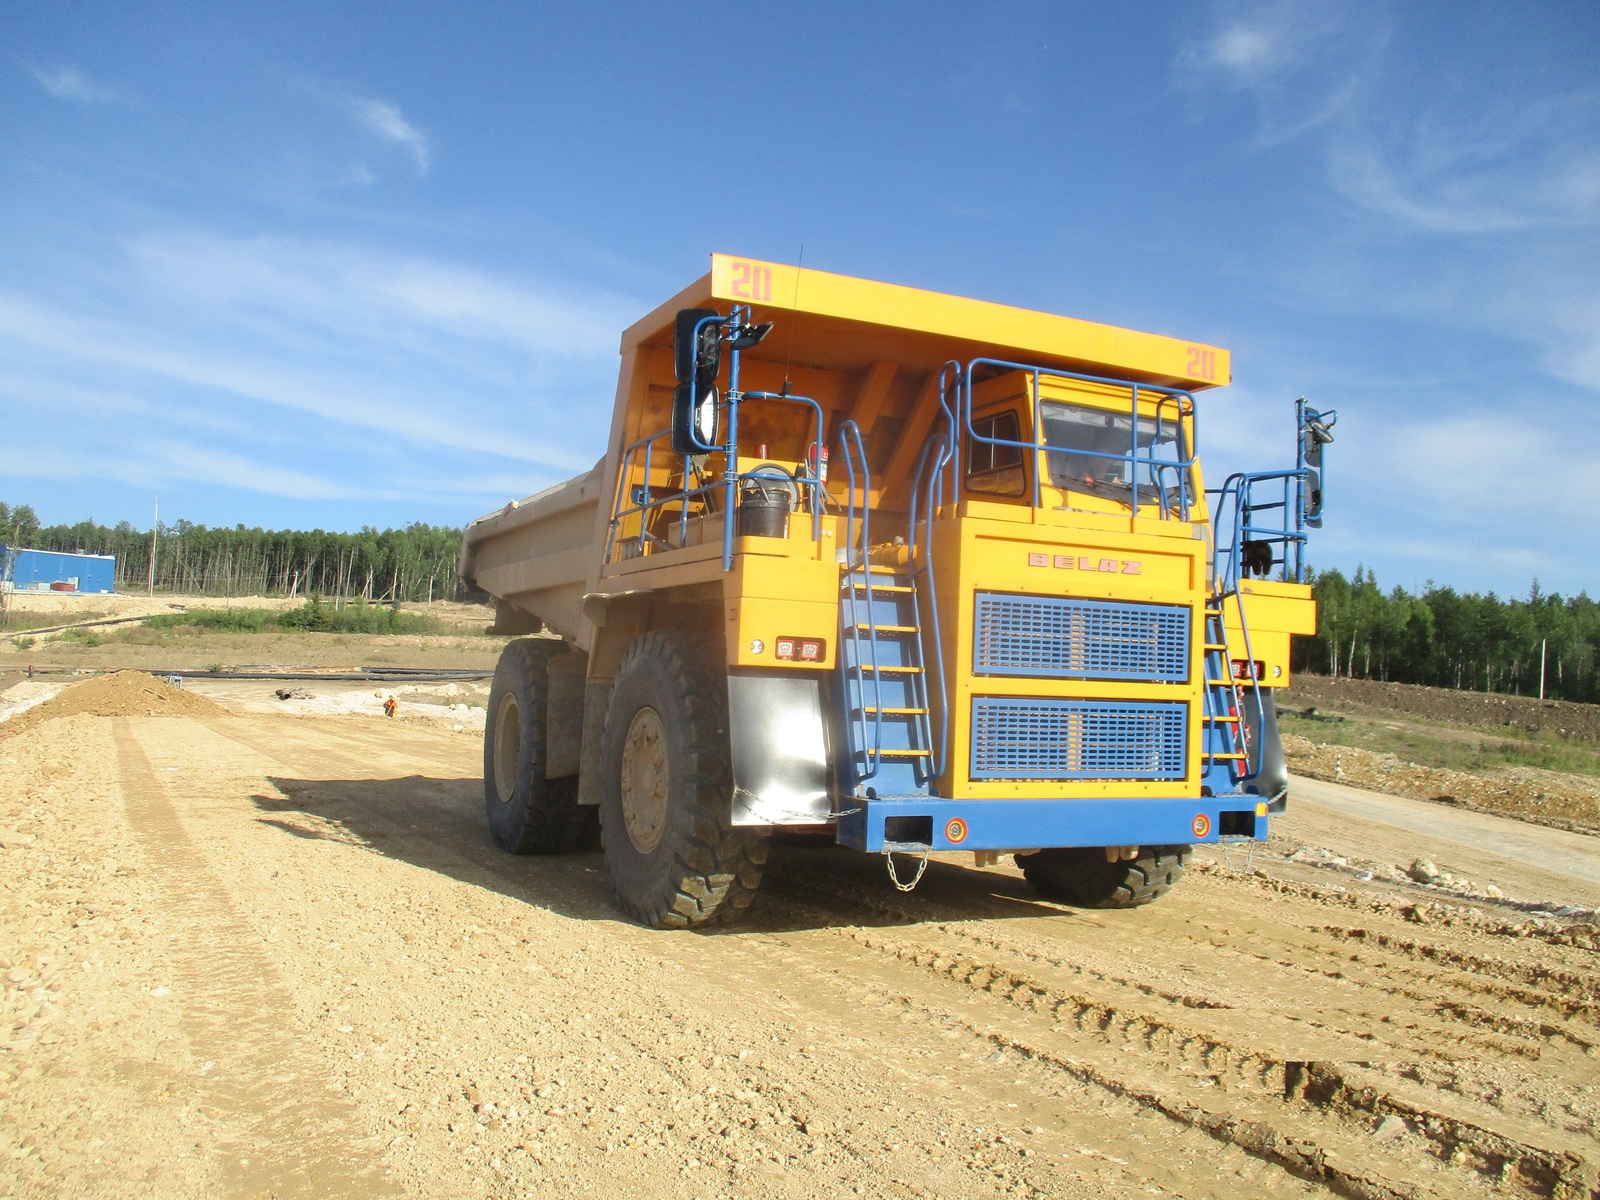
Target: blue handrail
(650,501)
(853,451)
(1183,400)
(939,458)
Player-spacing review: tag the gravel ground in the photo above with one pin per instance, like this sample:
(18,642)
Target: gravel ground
(247,955)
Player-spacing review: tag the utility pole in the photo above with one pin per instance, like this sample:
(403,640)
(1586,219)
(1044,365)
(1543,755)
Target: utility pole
(1542,643)
(155,524)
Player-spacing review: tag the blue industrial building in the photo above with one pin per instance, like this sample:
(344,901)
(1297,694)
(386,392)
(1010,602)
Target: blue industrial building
(47,571)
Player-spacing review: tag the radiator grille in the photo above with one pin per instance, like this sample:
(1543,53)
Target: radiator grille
(1080,639)
(1016,738)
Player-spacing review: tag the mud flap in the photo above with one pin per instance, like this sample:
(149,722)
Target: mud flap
(1261,728)
(779,742)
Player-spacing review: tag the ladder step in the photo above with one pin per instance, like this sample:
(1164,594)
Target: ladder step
(901,753)
(866,628)
(1216,645)
(1220,682)
(867,669)
(1206,754)
(1209,718)
(896,712)
(898,588)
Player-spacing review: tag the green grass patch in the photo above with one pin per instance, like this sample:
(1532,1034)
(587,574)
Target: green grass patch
(1475,751)
(314,616)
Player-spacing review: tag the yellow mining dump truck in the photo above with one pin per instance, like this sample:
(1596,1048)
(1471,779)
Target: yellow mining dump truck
(928,573)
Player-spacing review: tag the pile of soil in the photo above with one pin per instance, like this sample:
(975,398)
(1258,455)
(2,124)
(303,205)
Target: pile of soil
(123,694)
(1580,722)
(1525,792)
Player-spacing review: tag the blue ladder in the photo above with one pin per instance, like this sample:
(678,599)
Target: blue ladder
(888,733)
(1224,750)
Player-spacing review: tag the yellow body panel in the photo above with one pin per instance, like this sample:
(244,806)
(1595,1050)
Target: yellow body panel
(775,288)
(1021,558)
(770,597)
(1273,611)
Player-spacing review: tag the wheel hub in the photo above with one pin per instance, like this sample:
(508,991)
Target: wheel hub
(507,747)
(644,780)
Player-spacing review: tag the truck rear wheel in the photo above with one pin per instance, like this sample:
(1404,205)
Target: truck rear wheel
(674,857)
(1082,876)
(528,813)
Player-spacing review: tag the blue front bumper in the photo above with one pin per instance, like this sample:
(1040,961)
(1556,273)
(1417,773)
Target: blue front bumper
(1033,824)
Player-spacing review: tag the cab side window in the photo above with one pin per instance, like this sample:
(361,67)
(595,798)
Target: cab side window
(995,470)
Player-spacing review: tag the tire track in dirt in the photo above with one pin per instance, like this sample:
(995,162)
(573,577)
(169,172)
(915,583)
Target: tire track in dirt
(1305,1118)
(1277,1140)
(1456,1140)
(731,955)
(290,1137)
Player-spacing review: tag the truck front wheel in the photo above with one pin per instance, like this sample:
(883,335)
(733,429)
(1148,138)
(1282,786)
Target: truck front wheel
(528,813)
(1082,876)
(674,857)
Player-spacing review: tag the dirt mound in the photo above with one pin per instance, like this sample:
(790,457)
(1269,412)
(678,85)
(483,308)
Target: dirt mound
(123,694)
(1513,791)
(1580,722)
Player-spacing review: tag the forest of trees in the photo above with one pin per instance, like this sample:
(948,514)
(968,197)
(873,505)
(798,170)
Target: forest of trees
(415,563)
(1453,639)
(1440,637)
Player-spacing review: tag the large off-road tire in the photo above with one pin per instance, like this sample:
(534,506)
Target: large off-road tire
(1082,876)
(528,814)
(666,783)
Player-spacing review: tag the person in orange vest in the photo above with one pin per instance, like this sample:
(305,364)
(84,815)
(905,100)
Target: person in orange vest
(389,706)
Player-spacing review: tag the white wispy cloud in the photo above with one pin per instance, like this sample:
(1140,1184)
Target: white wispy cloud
(343,367)
(1303,65)
(69,83)
(388,122)
(381,295)
(1511,167)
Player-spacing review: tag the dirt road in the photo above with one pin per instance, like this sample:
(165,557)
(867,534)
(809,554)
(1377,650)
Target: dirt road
(249,955)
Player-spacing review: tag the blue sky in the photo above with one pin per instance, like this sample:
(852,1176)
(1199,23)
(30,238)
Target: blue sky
(341,264)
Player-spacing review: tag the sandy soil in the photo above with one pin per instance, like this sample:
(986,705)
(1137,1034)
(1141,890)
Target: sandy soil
(246,955)
(71,605)
(288,650)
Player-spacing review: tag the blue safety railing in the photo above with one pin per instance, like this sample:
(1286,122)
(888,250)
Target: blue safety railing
(937,461)
(640,460)
(1180,470)
(1259,521)
(1271,510)
(870,740)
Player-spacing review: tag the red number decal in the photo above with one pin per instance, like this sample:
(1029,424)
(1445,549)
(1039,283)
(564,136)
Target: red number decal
(750,281)
(1202,363)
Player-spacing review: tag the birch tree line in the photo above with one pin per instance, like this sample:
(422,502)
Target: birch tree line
(1452,639)
(380,566)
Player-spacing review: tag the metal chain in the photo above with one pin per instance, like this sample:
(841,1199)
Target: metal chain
(894,878)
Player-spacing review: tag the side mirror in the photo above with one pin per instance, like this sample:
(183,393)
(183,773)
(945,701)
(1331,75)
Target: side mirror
(1315,433)
(696,419)
(697,347)
(1313,498)
(697,358)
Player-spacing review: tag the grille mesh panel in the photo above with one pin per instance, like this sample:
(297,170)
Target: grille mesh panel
(1015,738)
(1080,639)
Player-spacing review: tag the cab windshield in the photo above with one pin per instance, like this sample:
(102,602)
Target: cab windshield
(1089,450)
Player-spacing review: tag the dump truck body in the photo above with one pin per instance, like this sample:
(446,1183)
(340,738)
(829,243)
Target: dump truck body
(953,564)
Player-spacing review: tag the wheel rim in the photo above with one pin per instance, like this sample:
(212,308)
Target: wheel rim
(507,747)
(644,780)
